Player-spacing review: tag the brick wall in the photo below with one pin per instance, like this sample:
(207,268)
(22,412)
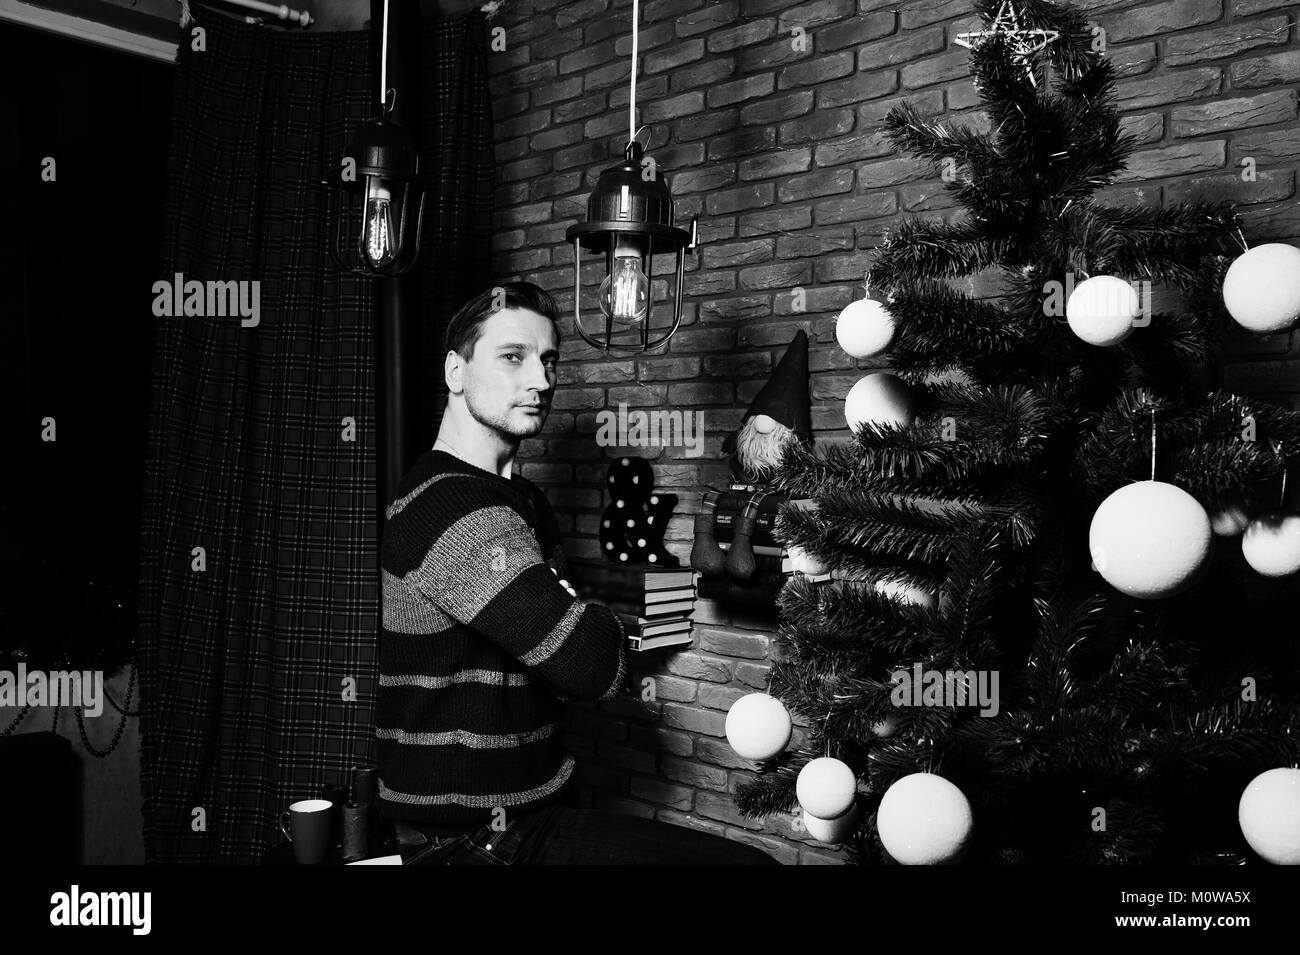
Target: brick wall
(780,155)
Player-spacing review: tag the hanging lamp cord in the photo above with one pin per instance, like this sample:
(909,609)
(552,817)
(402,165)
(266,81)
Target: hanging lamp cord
(631,100)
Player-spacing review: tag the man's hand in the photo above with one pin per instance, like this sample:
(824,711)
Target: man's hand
(564,582)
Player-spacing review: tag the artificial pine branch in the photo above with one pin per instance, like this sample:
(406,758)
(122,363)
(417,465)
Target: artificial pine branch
(984,500)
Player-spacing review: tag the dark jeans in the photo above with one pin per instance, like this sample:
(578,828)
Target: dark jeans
(568,835)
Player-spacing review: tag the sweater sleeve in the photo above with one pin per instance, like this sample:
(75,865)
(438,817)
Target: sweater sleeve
(486,571)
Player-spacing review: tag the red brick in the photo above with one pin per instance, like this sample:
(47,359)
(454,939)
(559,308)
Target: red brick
(777,109)
(929,103)
(759,336)
(1268,146)
(662,793)
(667,9)
(695,774)
(777,275)
(809,856)
(743,34)
(703,339)
(673,57)
(744,197)
(816,71)
(737,366)
(745,142)
(647,39)
(700,393)
(1132,60)
(698,666)
(813,246)
(1174,160)
(720,806)
(813,14)
(862,146)
(936,69)
(662,369)
(1161,18)
(1264,109)
(702,21)
(784,163)
(616,72)
(817,127)
(855,89)
(1267,187)
(783,219)
(903,48)
(753,674)
(693,719)
(856,32)
(689,822)
(820,299)
(731,254)
(1144,128)
(1189,48)
(732,644)
(719,697)
(1173,87)
(919,13)
(1272,70)
(853,208)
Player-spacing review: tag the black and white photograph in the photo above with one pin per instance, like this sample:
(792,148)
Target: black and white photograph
(652,433)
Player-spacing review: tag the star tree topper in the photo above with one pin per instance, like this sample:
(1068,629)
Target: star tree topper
(1024,43)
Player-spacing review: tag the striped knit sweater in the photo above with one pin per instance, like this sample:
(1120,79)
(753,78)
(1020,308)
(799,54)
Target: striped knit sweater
(480,644)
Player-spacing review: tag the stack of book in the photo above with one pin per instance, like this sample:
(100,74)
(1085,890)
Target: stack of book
(655,604)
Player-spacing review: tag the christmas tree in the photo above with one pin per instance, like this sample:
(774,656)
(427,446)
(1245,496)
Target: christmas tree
(1031,648)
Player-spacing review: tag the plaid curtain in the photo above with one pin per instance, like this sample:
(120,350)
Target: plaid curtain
(258,656)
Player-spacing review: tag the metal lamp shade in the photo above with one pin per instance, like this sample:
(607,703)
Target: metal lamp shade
(629,209)
(379,215)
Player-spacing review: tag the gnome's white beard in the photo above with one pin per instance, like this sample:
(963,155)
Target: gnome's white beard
(759,452)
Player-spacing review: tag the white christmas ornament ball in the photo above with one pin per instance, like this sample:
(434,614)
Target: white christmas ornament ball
(1101,310)
(804,563)
(864,328)
(832,831)
(758,726)
(1150,539)
(826,787)
(904,592)
(1271,544)
(1262,288)
(1230,521)
(924,819)
(1269,815)
(881,399)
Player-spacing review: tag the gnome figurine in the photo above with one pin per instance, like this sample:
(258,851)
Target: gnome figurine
(778,416)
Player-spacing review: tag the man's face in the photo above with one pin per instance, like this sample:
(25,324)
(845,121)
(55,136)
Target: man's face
(508,383)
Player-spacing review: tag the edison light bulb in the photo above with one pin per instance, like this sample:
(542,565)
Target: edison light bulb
(625,293)
(380,234)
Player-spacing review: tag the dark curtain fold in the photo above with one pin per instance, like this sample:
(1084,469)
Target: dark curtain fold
(258,654)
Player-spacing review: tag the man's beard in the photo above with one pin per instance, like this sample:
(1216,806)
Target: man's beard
(505,422)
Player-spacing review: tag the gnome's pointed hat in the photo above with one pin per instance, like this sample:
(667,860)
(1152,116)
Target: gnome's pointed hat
(785,396)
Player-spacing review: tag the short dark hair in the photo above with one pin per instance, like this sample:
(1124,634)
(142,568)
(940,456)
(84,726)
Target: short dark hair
(466,326)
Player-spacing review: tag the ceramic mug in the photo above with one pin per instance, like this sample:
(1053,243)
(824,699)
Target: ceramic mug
(307,824)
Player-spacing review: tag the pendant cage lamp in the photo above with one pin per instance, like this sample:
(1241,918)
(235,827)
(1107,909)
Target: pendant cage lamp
(377,201)
(629,221)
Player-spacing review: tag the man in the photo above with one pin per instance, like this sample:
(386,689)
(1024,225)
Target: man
(483,638)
